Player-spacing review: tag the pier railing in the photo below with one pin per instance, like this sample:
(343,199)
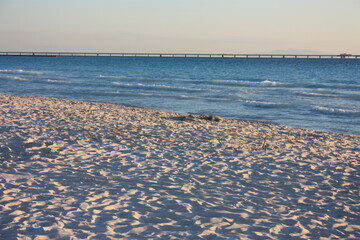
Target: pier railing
(192,55)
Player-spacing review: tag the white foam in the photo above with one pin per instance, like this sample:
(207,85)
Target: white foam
(58,81)
(322,90)
(13,77)
(265,104)
(204,98)
(123,93)
(313,94)
(266,83)
(21,71)
(158,86)
(113,77)
(334,95)
(327,110)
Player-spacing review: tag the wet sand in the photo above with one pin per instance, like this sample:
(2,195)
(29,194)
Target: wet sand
(83,170)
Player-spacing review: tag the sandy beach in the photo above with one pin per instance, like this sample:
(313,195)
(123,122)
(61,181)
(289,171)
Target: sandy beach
(84,170)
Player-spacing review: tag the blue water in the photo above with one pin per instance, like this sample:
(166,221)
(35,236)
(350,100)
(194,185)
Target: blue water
(321,94)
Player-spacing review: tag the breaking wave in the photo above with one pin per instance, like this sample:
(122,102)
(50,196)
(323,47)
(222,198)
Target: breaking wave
(134,78)
(328,95)
(335,111)
(212,99)
(21,71)
(17,78)
(113,77)
(158,87)
(58,81)
(123,93)
(265,83)
(263,104)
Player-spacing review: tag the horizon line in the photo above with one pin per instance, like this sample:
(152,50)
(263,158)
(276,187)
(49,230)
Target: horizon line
(167,54)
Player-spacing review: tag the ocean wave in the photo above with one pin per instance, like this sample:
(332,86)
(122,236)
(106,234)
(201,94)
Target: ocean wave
(203,98)
(346,86)
(325,86)
(314,94)
(158,87)
(21,71)
(134,78)
(335,111)
(264,104)
(123,93)
(265,83)
(323,90)
(329,95)
(113,77)
(237,96)
(153,79)
(11,77)
(58,81)
(223,82)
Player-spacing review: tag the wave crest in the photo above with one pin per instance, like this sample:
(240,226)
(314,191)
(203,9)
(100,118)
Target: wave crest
(265,83)
(264,104)
(113,76)
(329,95)
(158,87)
(21,71)
(13,77)
(58,81)
(335,111)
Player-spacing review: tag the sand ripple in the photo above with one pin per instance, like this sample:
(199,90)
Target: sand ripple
(102,171)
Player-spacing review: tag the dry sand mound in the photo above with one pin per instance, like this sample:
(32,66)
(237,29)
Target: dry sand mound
(103,171)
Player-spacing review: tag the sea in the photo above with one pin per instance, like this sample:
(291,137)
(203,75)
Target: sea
(320,94)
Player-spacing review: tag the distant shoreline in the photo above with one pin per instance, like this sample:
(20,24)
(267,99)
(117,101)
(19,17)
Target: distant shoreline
(184,55)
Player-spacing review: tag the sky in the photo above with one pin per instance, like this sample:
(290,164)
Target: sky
(181,26)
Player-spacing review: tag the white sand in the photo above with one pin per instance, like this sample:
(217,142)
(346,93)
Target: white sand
(81,170)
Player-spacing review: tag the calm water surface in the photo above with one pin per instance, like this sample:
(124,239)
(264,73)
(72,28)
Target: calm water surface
(321,94)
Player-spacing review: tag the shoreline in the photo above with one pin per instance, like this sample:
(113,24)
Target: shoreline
(96,170)
(184,114)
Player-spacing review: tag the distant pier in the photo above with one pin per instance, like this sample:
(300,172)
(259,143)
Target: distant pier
(173,55)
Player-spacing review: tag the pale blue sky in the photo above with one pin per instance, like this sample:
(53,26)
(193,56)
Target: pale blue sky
(203,26)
